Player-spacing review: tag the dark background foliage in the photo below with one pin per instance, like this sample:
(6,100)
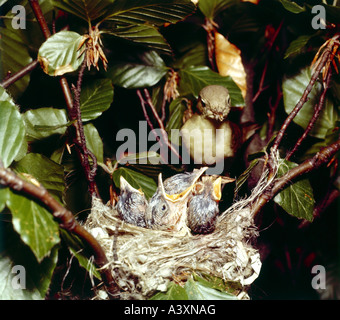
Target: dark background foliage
(264,32)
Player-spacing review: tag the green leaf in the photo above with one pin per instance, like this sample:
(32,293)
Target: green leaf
(232,287)
(76,247)
(14,57)
(44,122)
(4,96)
(245,175)
(136,179)
(293,89)
(35,225)
(58,54)
(4,197)
(87,10)
(292,6)
(47,172)
(296,46)
(193,79)
(197,291)
(93,142)
(174,292)
(141,158)
(144,73)
(95,98)
(197,56)
(176,109)
(32,221)
(296,199)
(34,276)
(146,35)
(156,12)
(12,132)
(211,8)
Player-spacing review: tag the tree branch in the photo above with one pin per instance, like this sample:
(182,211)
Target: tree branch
(65,219)
(321,158)
(18,75)
(316,114)
(71,109)
(83,152)
(210,27)
(159,121)
(303,99)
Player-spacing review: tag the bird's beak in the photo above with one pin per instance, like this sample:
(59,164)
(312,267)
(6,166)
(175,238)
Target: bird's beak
(171,197)
(217,190)
(180,196)
(124,185)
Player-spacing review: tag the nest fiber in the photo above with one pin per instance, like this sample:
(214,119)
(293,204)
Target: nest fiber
(144,261)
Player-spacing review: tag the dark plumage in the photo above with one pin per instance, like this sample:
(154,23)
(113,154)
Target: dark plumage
(167,207)
(132,204)
(203,205)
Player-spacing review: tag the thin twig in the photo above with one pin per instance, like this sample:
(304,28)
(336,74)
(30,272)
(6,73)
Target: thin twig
(18,75)
(159,121)
(261,87)
(302,101)
(40,18)
(147,118)
(71,110)
(321,158)
(64,217)
(316,114)
(163,108)
(272,111)
(210,27)
(82,148)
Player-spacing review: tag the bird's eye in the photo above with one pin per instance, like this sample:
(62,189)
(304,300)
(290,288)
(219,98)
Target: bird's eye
(203,102)
(163,207)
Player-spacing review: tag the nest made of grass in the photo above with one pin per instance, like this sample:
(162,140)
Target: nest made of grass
(144,261)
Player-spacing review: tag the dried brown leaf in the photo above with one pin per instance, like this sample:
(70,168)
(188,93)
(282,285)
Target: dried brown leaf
(229,61)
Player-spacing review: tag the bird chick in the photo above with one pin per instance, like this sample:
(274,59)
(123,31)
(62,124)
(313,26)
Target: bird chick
(203,205)
(132,204)
(167,207)
(214,102)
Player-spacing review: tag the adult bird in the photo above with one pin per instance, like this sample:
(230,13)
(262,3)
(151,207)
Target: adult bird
(209,136)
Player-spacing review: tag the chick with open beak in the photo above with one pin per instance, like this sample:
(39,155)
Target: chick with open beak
(203,205)
(132,204)
(167,208)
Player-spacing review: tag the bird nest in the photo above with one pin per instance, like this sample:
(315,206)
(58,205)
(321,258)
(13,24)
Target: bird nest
(143,261)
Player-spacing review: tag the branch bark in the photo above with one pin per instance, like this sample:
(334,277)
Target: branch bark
(316,114)
(159,121)
(321,158)
(303,99)
(66,221)
(72,109)
(18,75)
